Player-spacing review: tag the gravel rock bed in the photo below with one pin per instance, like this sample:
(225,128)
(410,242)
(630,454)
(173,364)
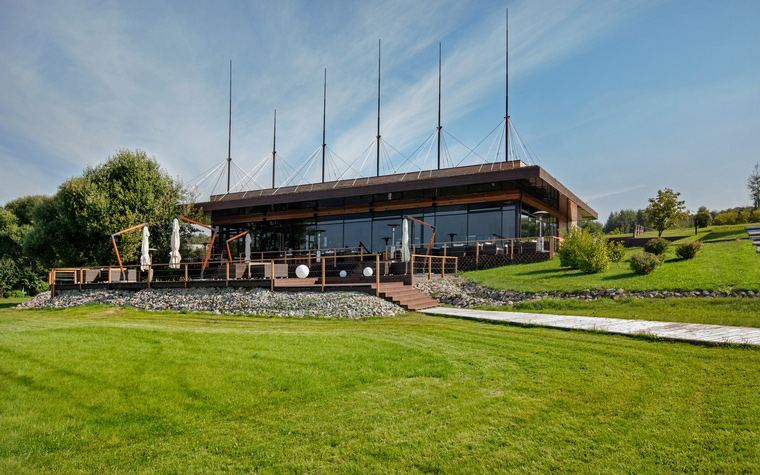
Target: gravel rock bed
(460,292)
(351,305)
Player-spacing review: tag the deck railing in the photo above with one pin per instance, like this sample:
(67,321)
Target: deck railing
(515,248)
(323,270)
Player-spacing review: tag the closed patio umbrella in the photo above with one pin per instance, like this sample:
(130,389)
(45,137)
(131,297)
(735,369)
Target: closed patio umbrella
(247,248)
(405,256)
(174,256)
(145,250)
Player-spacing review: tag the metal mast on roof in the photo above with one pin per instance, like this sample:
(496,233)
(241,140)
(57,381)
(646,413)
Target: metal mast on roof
(274,146)
(506,110)
(378,108)
(324,124)
(229,134)
(439,106)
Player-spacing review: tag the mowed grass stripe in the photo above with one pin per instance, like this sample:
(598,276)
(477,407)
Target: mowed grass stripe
(133,391)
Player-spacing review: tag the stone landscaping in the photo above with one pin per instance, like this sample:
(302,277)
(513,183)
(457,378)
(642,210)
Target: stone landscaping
(352,305)
(460,292)
(454,291)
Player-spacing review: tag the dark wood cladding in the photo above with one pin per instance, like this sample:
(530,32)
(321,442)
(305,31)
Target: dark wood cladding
(564,191)
(366,207)
(469,175)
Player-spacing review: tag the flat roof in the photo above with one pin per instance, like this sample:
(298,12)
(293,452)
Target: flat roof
(467,175)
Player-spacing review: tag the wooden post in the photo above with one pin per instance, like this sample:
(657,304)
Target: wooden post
(477,254)
(430,267)
(411,262)
(150,274)
(227,273)
(443,267)
(377,274)
(456,265)
(323,275)
(511,249)
(271,275)
(186,275)
(551,247)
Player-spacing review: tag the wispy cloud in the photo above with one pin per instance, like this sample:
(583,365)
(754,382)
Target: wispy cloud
(82,79)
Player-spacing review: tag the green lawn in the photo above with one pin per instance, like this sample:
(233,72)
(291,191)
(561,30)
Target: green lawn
(737,229)
(106,390)
(728,262)
(717,311)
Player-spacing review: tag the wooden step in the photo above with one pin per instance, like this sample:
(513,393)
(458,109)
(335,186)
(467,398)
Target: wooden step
(406,296)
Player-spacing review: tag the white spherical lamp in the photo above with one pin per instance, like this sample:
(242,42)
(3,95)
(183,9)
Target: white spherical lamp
(343,273)
(367,272)
(302,271)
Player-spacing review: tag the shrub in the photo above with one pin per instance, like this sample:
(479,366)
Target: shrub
(728,217)
(570,249)
(616,251)
(644,263)
(584,250)
(688,250)
(656,246)
(595,257)
(14,294)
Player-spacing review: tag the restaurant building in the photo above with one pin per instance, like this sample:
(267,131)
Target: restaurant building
(500,200)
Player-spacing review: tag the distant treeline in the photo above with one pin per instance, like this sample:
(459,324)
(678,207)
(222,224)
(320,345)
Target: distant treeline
(625,220)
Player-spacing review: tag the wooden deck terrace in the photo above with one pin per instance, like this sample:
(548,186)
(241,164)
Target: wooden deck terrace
(324,275)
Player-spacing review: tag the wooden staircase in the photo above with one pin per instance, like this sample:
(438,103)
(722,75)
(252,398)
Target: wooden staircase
(406,296)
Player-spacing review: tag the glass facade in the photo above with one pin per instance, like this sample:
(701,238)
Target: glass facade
(530,221)
(373,230)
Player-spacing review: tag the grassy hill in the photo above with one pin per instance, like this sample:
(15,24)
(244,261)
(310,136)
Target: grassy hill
(728,263)
(106,390)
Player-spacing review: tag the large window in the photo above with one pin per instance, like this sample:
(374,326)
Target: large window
(357,229)
(483,224)
(332,233)
(451,220)
(382,227)
(509,221)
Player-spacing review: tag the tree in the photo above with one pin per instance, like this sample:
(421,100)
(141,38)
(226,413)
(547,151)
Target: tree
(74,228)
(592,226)
(18,271)
(664,210)
(702,219)
(24,207)
(753,183)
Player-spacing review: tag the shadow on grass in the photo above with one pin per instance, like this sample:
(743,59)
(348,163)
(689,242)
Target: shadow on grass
(627,275)
(548,272)
(722,236)
(4,304)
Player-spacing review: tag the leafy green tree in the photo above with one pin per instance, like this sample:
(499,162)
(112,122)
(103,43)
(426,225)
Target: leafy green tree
(592,226)
(18,271)
(703,218)
(74,228)
(753,183)
(665,210)
(11,235)
(24,207)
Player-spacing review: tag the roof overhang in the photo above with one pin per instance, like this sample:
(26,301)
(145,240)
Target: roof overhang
(468,175)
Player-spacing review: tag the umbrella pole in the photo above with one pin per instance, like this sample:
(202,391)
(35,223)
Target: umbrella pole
(118,257)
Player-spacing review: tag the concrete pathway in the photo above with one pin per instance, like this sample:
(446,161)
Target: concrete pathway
(694,332)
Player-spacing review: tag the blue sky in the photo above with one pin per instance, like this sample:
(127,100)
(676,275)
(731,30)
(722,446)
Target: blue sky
(617,98)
